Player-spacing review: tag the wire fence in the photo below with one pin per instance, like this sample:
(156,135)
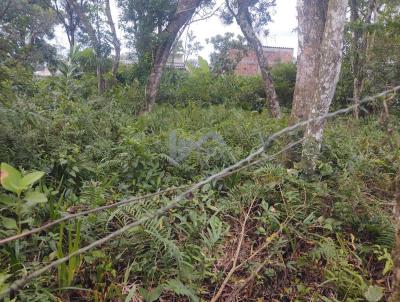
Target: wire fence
(252,159)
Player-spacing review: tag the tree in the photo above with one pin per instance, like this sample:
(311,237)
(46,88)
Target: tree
(156,25)
(228,52)
(311,18)
(382,61)
(183,13)
(191,47)
(251,15)
(94,18)
(361,16)
(143,22)
(25,29)
(321,27)
(373,64)
(68,17)
(94,37)
(115,40)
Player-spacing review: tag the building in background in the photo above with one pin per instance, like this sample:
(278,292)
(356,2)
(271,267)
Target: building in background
(175,61)
(248,65)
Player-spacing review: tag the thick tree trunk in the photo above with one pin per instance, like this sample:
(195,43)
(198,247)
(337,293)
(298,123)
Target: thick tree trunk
(311,18)
(184,12)
(115,40)
(243,19)
(328,75)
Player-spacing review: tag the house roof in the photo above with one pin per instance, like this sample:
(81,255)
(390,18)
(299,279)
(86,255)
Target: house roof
(277,47)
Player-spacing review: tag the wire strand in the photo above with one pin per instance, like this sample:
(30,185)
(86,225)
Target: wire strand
(84,213)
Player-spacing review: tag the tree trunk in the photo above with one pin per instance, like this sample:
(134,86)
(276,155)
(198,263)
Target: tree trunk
(357,95)
(243,19)
(359,47)
(69,14)
(328,75)
(311,19)
(71,26)
(184,12)
(101,84)
(115,41)
(71,41)
(396,252)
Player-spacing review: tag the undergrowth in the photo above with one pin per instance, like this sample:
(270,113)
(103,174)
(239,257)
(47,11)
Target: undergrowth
(331,237)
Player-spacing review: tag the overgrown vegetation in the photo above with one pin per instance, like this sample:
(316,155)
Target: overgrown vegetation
(77,140)
(331,238)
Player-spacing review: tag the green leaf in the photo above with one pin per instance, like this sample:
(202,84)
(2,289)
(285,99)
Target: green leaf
(3,279)
(10,178)
(34,198)
(151,295)
(130,294)
(180,289)
(374,293)
(30,179)
(7,200)
(9,223)
(388,266)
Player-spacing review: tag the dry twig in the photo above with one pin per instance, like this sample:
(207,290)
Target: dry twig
(235,258)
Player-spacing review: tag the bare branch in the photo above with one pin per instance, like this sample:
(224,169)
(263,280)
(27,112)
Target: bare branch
(236,256)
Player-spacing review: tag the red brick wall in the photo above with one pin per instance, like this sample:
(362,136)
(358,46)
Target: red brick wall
(248,66)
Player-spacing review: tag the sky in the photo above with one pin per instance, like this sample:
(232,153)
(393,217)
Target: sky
(282,31)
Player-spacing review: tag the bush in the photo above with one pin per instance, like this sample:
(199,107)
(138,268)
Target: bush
(199,85)
(284,76)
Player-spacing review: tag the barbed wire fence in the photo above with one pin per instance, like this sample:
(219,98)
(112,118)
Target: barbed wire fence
(254,158)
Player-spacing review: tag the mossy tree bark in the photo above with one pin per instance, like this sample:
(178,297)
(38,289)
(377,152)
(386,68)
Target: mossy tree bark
(311,16)
(323,70)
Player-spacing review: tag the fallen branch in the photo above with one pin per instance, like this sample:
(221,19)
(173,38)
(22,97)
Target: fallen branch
(235,258)
(254,273)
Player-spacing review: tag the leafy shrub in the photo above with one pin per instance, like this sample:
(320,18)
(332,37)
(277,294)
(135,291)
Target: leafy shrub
(284,77)
(199,85)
